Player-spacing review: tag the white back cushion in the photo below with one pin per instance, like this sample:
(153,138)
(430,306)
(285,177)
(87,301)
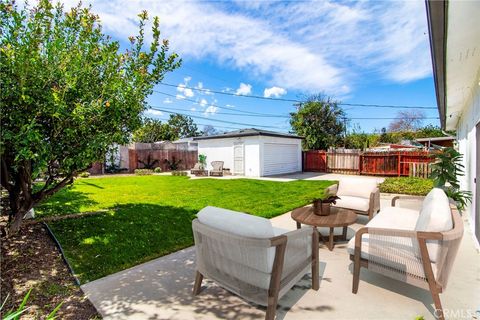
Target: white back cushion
(245,225)
(435,216)
(235,222)
(356,187)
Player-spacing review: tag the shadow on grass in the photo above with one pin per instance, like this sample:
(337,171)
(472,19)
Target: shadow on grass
(103,244)
(66,201)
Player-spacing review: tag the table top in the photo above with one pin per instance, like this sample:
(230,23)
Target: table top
(338,217)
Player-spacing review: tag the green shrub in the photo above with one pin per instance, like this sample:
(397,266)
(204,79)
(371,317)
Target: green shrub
(407,185)
(84,174)
(143,172)
(157,170)
(179,173)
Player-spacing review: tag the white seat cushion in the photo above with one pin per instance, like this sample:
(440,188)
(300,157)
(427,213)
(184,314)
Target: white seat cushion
(235,222)
(356,187)
(390,217)
(354,203)
(435,216)
(393,218)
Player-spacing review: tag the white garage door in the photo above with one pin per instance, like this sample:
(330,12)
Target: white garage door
(280,158)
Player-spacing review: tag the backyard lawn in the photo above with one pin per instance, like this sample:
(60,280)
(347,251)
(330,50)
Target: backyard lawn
(150,216)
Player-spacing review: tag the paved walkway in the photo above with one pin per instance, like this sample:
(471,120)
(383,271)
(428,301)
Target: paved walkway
(161,289)
(298,176)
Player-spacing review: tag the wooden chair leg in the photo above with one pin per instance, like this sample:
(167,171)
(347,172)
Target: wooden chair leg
(438,305)
(271,308)
(315,276)
(356,273)
(198,283)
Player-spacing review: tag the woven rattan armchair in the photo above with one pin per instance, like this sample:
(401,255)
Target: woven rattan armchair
(217,168)
(260,270)
(360,195)
(197,169)
(420,258)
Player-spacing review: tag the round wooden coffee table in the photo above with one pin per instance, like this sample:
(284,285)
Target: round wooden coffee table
(337,218)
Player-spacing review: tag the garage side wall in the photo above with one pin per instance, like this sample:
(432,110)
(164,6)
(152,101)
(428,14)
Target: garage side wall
(217,150)
(280,155)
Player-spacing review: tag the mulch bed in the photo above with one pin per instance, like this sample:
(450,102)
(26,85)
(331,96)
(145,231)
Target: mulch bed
(30,259)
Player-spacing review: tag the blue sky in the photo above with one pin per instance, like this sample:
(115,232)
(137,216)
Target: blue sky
(357,52)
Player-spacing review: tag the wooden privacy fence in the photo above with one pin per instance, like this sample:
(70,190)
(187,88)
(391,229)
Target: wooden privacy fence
(187,158)
(389,163)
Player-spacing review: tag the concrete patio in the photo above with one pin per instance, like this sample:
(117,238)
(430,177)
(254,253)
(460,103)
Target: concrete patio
(161,289)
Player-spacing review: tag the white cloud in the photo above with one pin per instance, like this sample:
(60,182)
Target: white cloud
(153,112)
(168,101)
(180,97)
(322,46)
(199,85)
(211,110)
(188,92)
(208,92)
(244,89)
(181,87)
(274,92)
(187,79)
(230,106)
(193,109)
(203,102)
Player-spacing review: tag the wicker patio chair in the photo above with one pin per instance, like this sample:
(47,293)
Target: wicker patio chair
(197,169)
(259,269)
(407,252)
(217,168)
(359,195)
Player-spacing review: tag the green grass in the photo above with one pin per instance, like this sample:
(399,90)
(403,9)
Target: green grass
(407,185)
(150,216)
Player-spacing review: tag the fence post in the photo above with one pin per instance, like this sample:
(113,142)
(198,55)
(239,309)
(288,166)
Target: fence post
(399,163)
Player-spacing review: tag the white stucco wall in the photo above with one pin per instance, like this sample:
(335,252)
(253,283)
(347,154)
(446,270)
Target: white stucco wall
(222,150)
(217,150)
(467,144)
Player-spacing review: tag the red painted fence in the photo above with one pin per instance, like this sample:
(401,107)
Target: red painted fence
(391,163)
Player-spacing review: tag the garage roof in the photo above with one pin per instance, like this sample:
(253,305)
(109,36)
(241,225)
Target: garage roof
(247,133)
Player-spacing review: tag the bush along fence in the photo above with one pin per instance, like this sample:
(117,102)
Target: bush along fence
(385,163)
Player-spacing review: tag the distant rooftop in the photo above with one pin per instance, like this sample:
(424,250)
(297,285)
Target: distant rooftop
(435,139)
(249,132)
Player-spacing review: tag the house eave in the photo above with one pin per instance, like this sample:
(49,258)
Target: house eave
(437,29)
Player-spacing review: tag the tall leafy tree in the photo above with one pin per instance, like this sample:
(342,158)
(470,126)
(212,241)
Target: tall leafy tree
(67,94)
(320,120)
(154,130)
(183,126)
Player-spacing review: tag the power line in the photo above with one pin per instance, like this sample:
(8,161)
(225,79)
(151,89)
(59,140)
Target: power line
(286,117)
(216,120)
(232,113)
(214,105)
(296,100)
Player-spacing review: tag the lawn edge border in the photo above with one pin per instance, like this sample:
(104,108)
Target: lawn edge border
(62,253)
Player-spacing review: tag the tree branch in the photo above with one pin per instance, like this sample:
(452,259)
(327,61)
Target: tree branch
(45,193)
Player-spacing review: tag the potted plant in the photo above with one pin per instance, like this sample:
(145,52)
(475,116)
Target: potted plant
(445,172)
(202,159)
(321,207)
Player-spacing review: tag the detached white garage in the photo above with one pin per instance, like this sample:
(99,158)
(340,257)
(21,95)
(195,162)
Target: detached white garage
(253,152)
